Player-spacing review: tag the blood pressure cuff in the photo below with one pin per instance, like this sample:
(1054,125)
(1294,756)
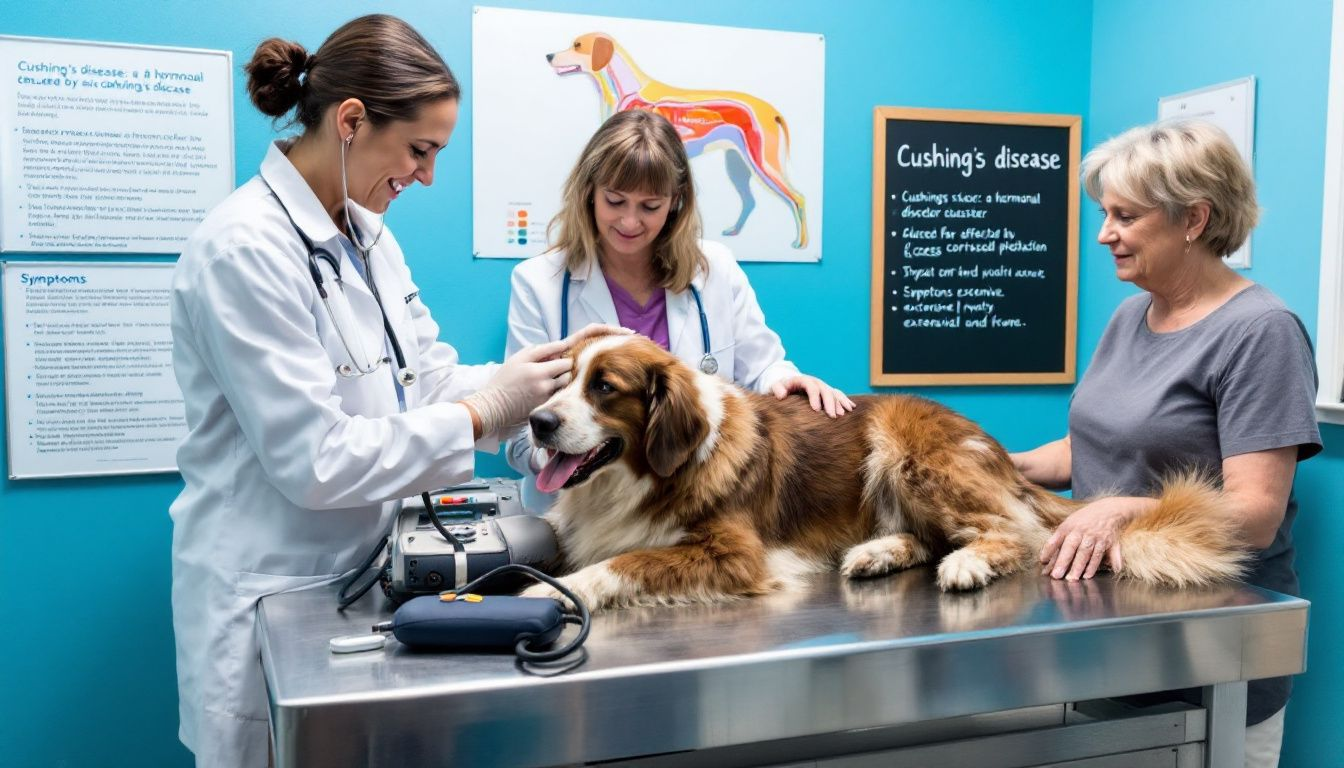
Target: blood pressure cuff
(470,621)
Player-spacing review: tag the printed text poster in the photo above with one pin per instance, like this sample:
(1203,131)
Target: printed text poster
(89,382)
(110,148)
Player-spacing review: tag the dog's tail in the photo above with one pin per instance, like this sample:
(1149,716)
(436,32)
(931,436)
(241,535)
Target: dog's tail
(1189,539)
(1051,508)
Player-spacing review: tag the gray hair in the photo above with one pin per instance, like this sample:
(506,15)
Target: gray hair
(1173,165)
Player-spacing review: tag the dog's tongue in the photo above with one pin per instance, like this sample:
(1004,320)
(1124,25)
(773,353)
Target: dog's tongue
(557,471)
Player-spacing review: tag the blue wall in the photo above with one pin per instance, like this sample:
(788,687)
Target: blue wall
(70,682)
(1145,49)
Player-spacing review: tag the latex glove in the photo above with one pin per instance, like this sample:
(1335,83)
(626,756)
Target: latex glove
(821,395)
(522,382)
(526,380)
(537,459)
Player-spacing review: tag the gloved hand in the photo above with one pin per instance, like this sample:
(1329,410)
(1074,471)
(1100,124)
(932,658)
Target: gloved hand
(526,380)
(522,382)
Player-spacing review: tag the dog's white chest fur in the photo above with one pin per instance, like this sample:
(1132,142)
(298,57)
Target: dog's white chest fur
(600,519)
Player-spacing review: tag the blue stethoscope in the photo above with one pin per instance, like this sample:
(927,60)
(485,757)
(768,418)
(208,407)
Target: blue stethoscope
(708,363)
(353,369)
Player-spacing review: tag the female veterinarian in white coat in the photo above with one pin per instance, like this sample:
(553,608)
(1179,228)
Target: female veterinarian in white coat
(306,417)
(629,253)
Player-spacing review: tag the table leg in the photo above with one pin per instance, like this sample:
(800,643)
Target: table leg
(1226,744)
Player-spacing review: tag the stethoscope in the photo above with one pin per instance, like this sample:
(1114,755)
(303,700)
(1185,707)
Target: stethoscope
(708,363)
(405,376)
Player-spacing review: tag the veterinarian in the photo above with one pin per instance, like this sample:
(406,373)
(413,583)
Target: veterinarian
(1202,370)
(629,253)
(316,389)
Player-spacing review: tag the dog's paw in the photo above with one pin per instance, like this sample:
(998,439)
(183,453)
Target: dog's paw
(964,569)
(877,557)
(871,558)
(597,586)
(545,590)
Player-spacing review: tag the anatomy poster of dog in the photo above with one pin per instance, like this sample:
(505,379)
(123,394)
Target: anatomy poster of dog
(748,104)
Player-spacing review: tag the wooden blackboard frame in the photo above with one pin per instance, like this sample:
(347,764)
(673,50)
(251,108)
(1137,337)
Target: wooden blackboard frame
(881,117)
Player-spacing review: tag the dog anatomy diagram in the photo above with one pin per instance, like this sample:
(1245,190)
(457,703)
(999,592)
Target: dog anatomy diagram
(543,82)
(752,133)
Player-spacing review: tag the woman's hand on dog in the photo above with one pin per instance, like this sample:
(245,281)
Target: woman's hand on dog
(1089,537)
(821,395)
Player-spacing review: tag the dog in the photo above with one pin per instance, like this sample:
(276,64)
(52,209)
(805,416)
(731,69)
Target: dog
(676,486)
(753,134)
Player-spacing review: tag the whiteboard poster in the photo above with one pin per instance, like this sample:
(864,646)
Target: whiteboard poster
(109,148)
(749,105)
(89,385)
(1230,106)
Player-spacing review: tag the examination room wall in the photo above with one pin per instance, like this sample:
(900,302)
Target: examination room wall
(88,672)
(88,675)
(1145,49)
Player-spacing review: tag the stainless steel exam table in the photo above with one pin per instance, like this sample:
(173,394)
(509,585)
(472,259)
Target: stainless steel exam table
(883,672)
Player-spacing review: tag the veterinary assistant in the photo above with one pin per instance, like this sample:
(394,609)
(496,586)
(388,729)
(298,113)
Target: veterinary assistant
(316,390)
(629,253)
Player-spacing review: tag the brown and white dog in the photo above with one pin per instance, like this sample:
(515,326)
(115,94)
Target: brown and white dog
(676,486)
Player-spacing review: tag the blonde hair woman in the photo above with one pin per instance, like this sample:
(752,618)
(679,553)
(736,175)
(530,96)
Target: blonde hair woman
(1202,369)
(626,250)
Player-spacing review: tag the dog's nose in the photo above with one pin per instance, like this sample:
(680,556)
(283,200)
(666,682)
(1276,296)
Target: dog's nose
(549,56)
(544,424)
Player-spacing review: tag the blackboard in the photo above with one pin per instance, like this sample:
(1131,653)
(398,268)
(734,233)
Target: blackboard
(975,247)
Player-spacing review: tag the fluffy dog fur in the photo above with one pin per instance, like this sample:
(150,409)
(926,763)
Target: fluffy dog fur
(680,487)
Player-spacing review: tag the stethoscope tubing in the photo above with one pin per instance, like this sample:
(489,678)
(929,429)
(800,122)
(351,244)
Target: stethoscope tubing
(708,363)
(404,376)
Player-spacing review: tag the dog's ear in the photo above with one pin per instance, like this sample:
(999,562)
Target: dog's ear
(602,52)
(676,423)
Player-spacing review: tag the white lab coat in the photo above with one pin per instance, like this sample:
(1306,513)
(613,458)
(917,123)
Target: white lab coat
(748,352)
(291,471)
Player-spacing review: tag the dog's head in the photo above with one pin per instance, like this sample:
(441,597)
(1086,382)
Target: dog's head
(588,53)
(629,401)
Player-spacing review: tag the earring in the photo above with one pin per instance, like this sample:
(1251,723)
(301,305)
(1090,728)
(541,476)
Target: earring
(351,137)
(1187,243)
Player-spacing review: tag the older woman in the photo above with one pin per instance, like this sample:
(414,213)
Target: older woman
(628,252)
(1204,369)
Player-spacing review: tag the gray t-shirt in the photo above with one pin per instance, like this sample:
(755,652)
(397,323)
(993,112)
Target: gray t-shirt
(1241,380)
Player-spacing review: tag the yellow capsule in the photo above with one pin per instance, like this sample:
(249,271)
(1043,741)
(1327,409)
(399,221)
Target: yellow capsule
(473,598)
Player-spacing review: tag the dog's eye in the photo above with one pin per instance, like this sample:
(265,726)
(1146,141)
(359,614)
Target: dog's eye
(577,45)
(602,387)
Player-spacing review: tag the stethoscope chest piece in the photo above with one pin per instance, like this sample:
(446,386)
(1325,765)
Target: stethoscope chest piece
(709,364)
(406,376)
